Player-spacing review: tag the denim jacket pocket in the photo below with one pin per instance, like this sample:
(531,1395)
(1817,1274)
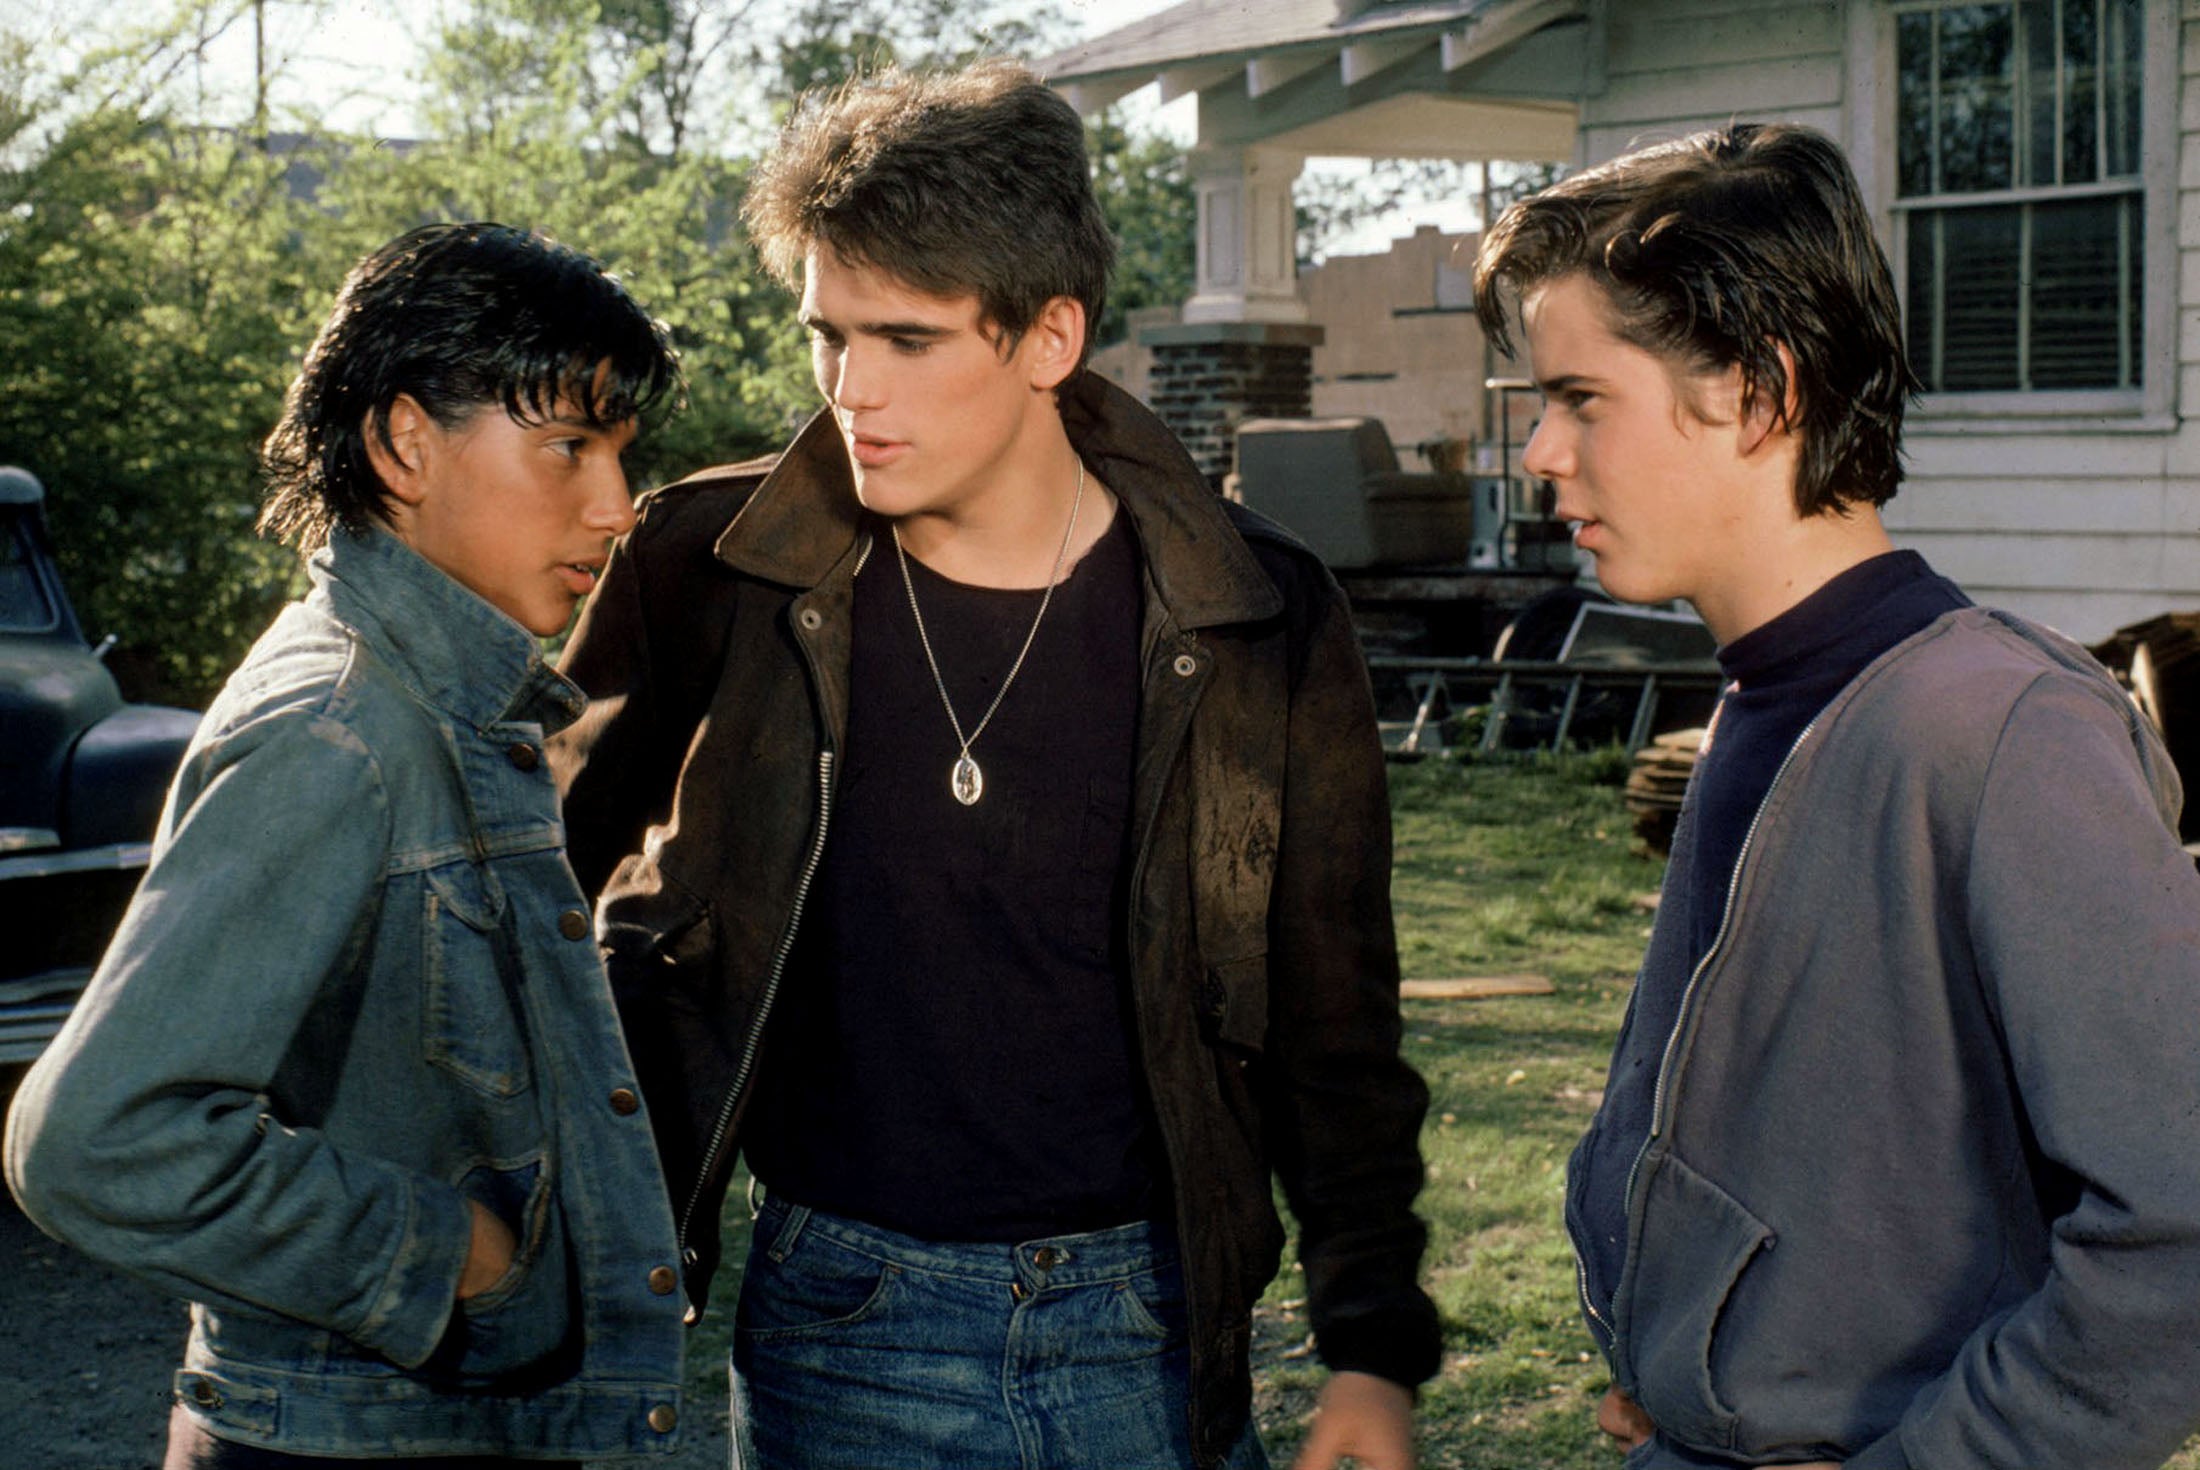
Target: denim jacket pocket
(472,1026)
(1696,1243)
(520,1331)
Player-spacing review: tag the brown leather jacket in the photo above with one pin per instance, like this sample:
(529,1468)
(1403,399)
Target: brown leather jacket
(699,795)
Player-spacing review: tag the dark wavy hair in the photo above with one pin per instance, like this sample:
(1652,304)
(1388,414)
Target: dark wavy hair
(963,182)
(460,317)
(1713,251)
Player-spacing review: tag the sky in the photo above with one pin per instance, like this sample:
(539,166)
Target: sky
(355,59)
(357,54)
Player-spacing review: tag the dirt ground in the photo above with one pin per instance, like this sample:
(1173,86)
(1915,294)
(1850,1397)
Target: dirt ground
(89,1355)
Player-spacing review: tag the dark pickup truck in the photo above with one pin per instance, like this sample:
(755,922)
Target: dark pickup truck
(82,778)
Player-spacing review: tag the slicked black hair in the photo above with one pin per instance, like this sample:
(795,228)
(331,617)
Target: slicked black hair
(970,182)
(1714,251)
(460,317)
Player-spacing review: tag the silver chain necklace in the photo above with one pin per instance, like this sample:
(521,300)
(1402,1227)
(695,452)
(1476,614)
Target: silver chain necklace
(965,780)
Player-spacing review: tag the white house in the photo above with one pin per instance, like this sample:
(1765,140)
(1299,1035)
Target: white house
(2034,164)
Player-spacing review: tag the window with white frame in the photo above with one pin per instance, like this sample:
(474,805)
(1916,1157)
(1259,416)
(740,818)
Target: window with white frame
(2019,201)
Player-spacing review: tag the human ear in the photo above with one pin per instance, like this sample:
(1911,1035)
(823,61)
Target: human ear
(1759,419)
(1057,338)
(397,448)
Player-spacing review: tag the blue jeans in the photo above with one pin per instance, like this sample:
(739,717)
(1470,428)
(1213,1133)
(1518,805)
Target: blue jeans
(857,1348)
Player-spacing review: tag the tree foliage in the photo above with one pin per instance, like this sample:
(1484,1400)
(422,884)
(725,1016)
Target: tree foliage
(1146,193)
(150,287)
(164,257)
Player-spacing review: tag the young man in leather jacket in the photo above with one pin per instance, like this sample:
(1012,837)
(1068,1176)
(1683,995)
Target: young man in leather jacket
(1898,1163)
(994,850)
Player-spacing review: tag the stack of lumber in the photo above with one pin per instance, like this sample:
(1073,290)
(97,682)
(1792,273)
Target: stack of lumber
(1658,781)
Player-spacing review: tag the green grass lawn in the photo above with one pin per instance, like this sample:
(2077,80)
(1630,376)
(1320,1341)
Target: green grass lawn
(1502,868)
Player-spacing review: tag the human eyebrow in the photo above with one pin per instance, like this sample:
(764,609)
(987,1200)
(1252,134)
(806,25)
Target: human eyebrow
(1562,385)
(917,331)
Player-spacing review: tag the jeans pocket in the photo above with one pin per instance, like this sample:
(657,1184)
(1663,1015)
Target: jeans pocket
(1153,1301)
(800,1282)
(472,1028)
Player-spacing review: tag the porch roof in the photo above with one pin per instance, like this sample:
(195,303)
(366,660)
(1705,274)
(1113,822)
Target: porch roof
(1391,78)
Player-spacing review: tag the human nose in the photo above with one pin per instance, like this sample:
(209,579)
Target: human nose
(849,380)
(1549,453)
(611,502)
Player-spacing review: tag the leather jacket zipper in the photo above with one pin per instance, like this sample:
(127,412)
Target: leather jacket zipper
(722,1135)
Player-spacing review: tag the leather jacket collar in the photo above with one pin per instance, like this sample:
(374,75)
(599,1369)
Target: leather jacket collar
(804,517)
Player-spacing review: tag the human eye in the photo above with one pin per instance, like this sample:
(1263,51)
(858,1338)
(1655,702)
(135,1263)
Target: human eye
(910,346)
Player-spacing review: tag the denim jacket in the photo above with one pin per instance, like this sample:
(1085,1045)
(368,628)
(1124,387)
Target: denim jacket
(357,989)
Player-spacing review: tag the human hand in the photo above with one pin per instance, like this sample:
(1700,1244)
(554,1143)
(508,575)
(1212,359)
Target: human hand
(1623,1419)
(1361,1415)
(488,1253)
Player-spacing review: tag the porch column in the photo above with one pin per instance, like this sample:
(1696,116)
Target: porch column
(1248,236)
(1244,348)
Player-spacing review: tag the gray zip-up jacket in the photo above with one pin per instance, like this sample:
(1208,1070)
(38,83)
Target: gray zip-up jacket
(1923,1182)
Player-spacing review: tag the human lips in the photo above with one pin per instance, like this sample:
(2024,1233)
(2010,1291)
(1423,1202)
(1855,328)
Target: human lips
(872,451)
(580,577)
(1586,529)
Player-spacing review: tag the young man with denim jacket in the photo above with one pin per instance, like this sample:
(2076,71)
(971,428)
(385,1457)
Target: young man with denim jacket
(349,1077)
(1898,1162)
(995,852)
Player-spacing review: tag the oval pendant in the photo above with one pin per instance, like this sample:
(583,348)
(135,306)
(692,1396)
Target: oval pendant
(967,781)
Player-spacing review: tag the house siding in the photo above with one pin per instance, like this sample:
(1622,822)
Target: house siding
(2086,522)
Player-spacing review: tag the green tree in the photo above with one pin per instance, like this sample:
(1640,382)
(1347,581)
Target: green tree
(525,119)
(150,279)
(1147,196)
(165,256)
(822,43)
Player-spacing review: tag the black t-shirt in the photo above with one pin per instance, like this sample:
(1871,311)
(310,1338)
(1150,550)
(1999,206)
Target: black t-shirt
(952,1054)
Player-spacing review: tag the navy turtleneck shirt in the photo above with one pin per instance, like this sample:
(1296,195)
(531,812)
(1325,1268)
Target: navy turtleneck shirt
(1778,678)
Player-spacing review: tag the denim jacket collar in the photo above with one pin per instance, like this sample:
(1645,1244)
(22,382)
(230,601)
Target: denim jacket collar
(450,648)
(1200,568)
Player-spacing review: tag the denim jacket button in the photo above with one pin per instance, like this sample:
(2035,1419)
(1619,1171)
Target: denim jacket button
(662,1280)
(624,1102)
(664,1419)
(205,1394)
(573,924)
(523,756)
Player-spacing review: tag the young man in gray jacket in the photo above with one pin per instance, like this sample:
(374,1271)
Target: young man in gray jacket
(1899,1158)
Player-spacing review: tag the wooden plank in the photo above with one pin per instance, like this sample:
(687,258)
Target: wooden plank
(1475,987)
